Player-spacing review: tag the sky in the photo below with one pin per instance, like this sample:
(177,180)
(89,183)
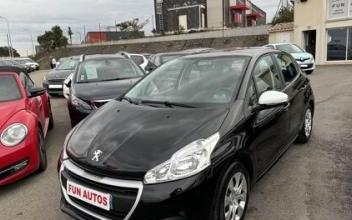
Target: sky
(30,18)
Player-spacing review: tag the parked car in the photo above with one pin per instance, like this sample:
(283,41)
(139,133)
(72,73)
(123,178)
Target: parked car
(189,140)
(161,58)
(303,58)
(33,65)
(25,120)
(14,63)
(23,63)
(97,80)
(53,81)
(6,63)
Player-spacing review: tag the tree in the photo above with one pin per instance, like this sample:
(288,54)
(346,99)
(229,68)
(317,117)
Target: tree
(286,14)
(4,52)
(70,33)
(52,39)
(133,27)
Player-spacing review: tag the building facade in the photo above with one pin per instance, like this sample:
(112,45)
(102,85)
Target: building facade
(324,28)
(171,15)
(234,13)
(106,36)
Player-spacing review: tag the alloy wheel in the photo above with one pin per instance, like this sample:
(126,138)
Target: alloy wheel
(236,197)
(308,122)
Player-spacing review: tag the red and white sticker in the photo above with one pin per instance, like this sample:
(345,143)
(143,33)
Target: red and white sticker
(90,196)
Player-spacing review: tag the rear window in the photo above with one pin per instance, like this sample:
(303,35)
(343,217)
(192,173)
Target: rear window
(8,89)
(107,70)
(137,59)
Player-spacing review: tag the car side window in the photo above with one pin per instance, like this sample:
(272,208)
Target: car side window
(266,75)
(26,82)
(287,66)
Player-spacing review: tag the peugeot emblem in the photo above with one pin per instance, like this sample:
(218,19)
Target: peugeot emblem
(97,155)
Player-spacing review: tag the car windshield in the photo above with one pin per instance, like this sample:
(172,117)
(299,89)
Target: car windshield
(8,89)
(107,70)
(192,81)
(289,48)
(69,64)
(167,58)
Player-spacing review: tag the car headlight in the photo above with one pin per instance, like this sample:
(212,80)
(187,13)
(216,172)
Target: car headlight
(190,160)
(14,134)
(79,103)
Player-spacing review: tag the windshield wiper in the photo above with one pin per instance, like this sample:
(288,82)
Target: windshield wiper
(167,103)
(119,78)
(131,100)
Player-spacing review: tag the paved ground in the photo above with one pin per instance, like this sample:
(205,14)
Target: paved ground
(312,181)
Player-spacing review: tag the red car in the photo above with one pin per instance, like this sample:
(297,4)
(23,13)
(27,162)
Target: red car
(25,118)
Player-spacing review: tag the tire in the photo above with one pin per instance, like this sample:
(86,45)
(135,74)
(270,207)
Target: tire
(43,162)
(234,175)
(306,131)
(308,72)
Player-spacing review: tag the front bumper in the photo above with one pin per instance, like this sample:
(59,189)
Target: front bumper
(133,200)
(18,162)
(306,66)
(54,88)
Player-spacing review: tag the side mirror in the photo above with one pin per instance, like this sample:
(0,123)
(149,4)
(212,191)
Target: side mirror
(34,92)
(271,99)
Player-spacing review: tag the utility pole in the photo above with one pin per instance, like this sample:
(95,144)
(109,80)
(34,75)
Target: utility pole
(8,36)
(80,37)
(85,34)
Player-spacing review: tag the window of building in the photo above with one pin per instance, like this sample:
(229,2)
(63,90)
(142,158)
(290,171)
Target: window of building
(338,44)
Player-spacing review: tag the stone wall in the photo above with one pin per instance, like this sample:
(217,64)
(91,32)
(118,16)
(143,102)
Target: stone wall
(164,45)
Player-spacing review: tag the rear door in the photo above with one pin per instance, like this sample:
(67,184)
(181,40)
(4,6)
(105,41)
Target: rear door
(295,84)
(270,125)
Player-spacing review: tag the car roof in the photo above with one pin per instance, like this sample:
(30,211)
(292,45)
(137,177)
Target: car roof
(250,52)
(102,56)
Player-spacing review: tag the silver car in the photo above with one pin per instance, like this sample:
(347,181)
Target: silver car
(303,58)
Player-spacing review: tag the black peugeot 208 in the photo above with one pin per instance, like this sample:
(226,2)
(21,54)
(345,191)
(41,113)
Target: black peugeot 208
(189,140)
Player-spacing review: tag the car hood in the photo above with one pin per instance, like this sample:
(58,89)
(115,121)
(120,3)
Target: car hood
(134,139)
(58,74)
(103,90)
(8,109)
(303,55)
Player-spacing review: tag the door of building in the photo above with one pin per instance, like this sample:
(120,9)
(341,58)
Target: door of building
(310,38)
(182,21)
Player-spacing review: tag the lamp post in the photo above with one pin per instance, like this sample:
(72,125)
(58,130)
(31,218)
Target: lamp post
(80,37)
(8,35)
(31,35)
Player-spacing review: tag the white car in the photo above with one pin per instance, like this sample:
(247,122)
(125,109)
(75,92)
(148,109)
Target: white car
(32,64)
(303,58)
(139,59)
(65,89)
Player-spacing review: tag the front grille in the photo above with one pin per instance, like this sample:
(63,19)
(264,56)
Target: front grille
(308,66)
(122,198)
(302,60)
(56,81)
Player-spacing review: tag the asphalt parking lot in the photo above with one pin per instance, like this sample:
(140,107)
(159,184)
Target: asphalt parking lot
(311,181)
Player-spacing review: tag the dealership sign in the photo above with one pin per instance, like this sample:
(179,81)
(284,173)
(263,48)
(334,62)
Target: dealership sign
(339,9)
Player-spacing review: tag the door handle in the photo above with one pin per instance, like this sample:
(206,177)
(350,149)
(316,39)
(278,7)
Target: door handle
(286,107)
